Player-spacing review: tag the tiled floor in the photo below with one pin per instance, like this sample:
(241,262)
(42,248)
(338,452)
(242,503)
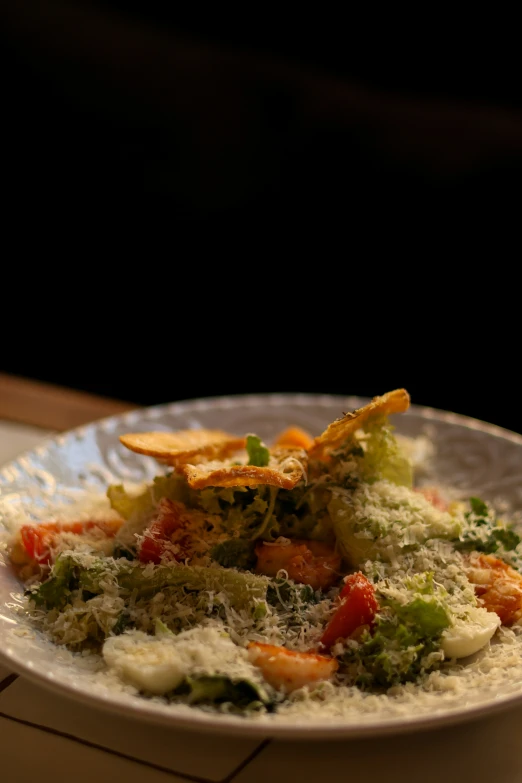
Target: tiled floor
(484,750)
(3,672)
(189,753)
(28,754)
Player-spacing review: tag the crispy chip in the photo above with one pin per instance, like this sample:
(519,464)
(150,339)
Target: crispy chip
(285,469)
(396,401)
(175,447)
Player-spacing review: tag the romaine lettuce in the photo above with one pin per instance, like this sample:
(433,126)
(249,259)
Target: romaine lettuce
(383,458)
(404,643)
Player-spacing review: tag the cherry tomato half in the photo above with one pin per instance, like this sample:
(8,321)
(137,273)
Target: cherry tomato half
(358,606)
(38,540)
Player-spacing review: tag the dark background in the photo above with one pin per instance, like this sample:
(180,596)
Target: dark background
(206,201)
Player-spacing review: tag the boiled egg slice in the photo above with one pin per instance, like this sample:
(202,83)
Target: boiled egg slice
(469,634)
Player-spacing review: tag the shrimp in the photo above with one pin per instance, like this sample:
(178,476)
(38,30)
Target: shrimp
(497,586)
(294,437)
(288,670)
(311,563)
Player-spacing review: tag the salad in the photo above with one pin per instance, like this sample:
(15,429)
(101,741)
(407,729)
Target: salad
(271,579)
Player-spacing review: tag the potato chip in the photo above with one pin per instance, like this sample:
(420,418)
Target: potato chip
(173,448)
(396,401)
(285,469)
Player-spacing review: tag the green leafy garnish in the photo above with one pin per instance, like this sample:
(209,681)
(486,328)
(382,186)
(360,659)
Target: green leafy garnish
(160,629)
(484,532)
(478,507)
(258,454)
(234,553)
(218,689)
(507,537)
(122,623)
(55,591)
(285,593)
(260,610)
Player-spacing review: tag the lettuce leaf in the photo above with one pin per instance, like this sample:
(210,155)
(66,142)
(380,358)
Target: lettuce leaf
(218,689)
(382,521)
(284,592)
(242,589)
(234,553)
(401,646)
(54,592)
(68,574)
(143,504)
(383,457)
(484,532)
(258,453)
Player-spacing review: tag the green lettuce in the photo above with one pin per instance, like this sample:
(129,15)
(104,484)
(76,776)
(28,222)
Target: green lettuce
(143,504)
(234,553)
(383,457)
(400,648)
(55,591)
(258,453)
(138,509)
(243,590)
(484,532)
(245,512)
(382,521)
(141,580)
(218,689)
(287,593)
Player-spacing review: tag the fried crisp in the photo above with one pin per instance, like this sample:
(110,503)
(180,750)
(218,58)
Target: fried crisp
(285,469)
(396,401)
(174,448)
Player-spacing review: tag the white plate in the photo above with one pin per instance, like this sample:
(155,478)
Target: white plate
(472,456)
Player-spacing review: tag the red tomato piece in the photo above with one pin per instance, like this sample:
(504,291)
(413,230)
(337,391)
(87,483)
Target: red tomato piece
(358,606)
(38,540)
(157,539)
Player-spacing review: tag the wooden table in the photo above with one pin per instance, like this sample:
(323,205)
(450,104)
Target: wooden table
(50,738)
(52,407)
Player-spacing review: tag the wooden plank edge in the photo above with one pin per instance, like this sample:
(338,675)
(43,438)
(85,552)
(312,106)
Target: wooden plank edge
(53,407)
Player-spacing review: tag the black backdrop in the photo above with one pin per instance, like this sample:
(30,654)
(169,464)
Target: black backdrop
(470,368)
(264,116)
(204,202)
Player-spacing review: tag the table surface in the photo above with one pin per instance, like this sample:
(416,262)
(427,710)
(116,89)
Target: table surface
(45,736)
